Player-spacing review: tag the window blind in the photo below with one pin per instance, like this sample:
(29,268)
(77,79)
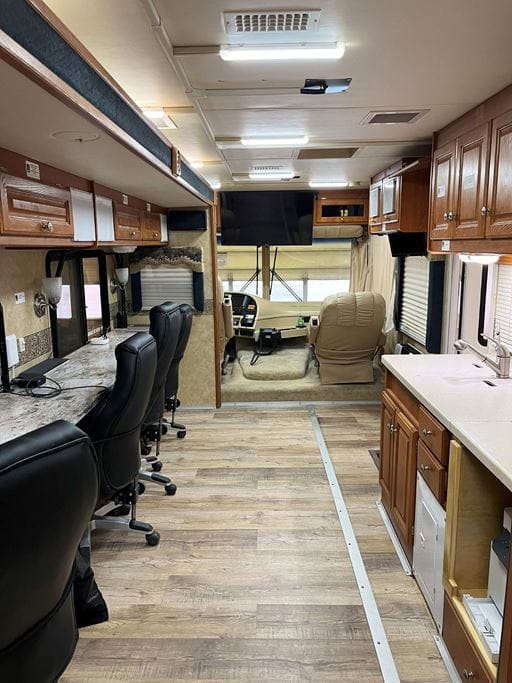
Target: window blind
(414,304)
(503,303)
(166,284)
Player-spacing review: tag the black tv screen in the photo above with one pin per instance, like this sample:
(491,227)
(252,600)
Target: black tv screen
(408,243)
(275,218)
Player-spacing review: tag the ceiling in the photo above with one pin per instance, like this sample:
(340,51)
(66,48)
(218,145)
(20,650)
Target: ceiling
(401,55)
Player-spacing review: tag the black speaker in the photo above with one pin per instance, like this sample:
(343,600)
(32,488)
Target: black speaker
(183,219)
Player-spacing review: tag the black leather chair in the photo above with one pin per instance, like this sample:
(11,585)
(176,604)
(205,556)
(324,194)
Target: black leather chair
(114,426)
(173,376)
(48,492)
(165,325)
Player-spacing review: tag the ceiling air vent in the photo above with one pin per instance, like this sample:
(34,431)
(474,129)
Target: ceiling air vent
(266,169)
(394,116)
(303,21)
(329,153)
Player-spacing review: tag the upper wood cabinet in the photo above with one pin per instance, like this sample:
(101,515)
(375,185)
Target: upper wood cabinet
(341,207)
(442,191)
(32,209)
(399,198)
(127,222)
(498,207)
(151,227)
(470,184)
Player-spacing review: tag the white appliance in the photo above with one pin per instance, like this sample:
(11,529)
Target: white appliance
(427,560)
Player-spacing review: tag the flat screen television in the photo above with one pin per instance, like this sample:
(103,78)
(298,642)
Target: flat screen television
(273,217)
(408,243)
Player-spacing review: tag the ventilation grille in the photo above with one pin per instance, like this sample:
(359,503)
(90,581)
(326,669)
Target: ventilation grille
(330,153)
(266,169)
(394,116)
(272,22)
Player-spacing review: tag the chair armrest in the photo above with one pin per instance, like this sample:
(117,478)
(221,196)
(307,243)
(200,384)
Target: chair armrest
(313,327)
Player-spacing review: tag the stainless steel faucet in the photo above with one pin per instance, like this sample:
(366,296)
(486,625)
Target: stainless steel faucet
(502,364)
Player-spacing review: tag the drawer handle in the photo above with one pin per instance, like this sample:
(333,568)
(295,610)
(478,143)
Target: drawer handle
(424,467)
(468,674)
(426,432)
(47,225)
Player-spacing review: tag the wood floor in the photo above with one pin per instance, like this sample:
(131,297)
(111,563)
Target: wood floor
(251,580)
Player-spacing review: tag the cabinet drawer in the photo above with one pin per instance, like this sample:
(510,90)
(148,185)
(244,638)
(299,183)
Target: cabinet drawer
(128,222)
(434,435)
(432,472)
(30,208)
(460,647)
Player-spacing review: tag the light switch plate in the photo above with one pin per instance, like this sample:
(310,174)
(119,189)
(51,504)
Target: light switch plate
(12,350)
(19,297)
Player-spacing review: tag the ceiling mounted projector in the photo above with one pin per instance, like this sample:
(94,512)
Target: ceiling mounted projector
(322,86)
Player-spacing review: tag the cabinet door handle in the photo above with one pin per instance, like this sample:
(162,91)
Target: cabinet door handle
(485,211)
(424,467)
(47,225)
(426,432)
(451,216)
(133,233)
(468,674)
(155,235)
(445,215)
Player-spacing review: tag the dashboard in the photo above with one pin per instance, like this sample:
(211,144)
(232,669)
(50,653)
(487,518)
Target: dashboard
(245,312)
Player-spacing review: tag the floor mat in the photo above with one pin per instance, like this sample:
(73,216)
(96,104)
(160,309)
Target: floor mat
(282,364)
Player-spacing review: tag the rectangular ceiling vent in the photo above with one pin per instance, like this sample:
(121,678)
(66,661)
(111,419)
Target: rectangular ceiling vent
(285,21)
(394,116)
(267,169)
(329,153)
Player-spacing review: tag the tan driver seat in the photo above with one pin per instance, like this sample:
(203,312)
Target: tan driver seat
(346,335)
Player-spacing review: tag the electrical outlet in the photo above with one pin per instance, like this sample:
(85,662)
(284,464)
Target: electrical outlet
(21,344)
(19,297)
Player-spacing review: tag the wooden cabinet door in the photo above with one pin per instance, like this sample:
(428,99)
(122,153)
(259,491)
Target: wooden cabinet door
(127,222)
(374,213)
(387,427)
(151,228)
(471,184)
(33,209)
(390,200)
(350,211)
(499,197)
(441,192)
(403,490)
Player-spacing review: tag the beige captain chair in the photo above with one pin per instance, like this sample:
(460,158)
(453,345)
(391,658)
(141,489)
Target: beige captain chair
(346,336)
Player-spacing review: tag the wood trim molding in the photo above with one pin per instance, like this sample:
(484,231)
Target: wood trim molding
(216,305)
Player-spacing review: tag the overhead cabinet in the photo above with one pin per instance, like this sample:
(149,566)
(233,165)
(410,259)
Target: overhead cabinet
(399,198)
(343,207)
(471,180)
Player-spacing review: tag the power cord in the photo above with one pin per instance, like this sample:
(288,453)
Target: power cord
(33,388)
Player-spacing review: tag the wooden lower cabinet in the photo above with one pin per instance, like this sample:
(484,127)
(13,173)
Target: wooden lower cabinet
(399,443)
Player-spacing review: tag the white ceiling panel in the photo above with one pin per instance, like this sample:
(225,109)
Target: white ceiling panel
(250,154)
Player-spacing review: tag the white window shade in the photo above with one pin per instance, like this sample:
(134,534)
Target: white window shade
(166,284)
(503,304)
(414,302)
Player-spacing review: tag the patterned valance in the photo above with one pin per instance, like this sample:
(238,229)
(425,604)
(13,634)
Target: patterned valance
(167,256)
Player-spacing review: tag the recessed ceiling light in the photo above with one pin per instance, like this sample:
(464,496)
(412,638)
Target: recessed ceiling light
(298,51)
(197,164)
(75,136)
(159,117)
(283,175)
(482,259)
(275,142)
(327,184)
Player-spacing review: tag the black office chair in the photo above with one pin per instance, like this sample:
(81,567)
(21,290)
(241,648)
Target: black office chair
(173,376)
(48,491)
(114,426)
(165,325)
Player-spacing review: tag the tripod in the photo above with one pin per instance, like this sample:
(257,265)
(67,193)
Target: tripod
(268,274)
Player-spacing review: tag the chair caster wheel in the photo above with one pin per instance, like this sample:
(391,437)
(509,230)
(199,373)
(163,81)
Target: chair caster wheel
(153,538)
(156,466)
(181,434)
(141,488)
(145,450)
(164,430)
(170,489)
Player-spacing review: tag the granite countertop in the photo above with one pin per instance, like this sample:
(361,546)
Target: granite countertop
(89,365)
(453,387)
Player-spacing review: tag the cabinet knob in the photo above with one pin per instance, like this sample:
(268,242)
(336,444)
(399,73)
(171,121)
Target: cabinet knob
(47,225)
(155,235)
(485,210)
(426,432)
(133,233)
(445,215)
(424,468)
(468,674)
(451,216)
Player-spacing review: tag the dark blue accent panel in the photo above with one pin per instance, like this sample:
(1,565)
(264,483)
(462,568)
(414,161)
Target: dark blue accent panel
(195,181)
(198,285)
(435,306)
(136,292)
(24,25)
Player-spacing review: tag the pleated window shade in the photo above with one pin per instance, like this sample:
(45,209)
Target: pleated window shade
(166,284)
(414,308)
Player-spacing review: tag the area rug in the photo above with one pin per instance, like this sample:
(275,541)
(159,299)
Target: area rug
(283,364)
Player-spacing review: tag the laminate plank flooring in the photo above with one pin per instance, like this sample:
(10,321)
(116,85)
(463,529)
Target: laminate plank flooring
(252,580)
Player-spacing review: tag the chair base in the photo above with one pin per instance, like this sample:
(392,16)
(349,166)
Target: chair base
(102,520)
(161,479)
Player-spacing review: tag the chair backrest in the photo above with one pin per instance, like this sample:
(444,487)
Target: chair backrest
(114,423)
(172,381)
(164,326)
(351,322)
(48,491)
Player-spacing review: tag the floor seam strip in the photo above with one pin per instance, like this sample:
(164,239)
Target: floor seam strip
(379,637)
